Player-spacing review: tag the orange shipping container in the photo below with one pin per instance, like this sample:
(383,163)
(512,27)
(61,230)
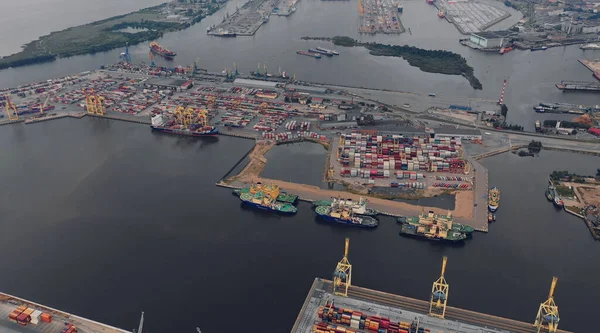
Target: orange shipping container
(46,317)
(28,311)
(22,308)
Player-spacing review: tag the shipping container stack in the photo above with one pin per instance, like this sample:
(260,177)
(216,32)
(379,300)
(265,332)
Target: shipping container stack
(69,328)
(339,320)
(23,316)
(377,156)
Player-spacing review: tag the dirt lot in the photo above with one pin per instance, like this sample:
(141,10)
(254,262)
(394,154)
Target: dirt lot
(588,194)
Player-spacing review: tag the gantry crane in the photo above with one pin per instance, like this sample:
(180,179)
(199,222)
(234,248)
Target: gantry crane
(178,113)
(11,110)
(90,101)
(547,317)
(439,294)
(43,106)
(342,276)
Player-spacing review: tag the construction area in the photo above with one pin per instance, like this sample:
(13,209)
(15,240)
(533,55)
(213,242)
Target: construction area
(379,16)
(18,315)
(470,16)
(245,21)
(337,306)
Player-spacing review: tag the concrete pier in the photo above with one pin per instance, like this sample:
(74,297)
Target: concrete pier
(400,308)
(8,303)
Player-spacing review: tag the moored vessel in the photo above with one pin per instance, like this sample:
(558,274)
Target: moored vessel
(327,53)
(266,199)
(189,123)
(433,233)
(553,197)
(342,214)
(431,219)
(591,46)
(540,48)
(358,207)
(441,14)
(334,52)
(161,51)
(314,55)
(254,188)
(493,199)
(504,50)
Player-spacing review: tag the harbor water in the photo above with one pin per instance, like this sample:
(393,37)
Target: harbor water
(105,219)
(531,75)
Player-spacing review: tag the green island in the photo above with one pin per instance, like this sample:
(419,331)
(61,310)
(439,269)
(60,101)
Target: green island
(431,61)
(133,28)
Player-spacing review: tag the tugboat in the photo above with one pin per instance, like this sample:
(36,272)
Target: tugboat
(359,207)
(494,199)
(282,197)
(345,215)
(490,218)
(553,197)
(266,199)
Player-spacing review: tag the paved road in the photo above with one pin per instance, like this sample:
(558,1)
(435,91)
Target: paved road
(480,180)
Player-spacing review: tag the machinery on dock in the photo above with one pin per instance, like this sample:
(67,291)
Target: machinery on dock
(11,110)
(431,219)
(434,227)
(184,121)
(439,294)
(547,317)
(93,102)
(342,276)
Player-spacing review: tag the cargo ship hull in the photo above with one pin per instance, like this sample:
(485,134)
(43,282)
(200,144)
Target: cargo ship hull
(412,233)
(329,54)
(266,208)
(214,132)
(338,220)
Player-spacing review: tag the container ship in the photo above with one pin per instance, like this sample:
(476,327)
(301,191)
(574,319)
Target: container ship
(359,207)
(176,125)
(314,55)
(327,53)
(266,199)
(343,214)
(494,199)
(255,188)
(334,52)
(431,219)
(157,49)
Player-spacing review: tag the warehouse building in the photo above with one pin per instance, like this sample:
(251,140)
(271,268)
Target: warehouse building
(256,84)
(457,133)
(491,39)
(168,84)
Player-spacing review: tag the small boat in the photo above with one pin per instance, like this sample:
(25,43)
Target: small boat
(490,218)
(541,48)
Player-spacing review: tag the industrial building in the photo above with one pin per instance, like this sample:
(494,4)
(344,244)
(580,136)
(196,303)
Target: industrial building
(457,133)
(168,84)
(492,39)
(257,84)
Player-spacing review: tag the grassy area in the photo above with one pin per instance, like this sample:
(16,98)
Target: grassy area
(564,191)
(431,61)
(574,209)
(103,35)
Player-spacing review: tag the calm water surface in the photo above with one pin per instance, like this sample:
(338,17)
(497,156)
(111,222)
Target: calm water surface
(105,219)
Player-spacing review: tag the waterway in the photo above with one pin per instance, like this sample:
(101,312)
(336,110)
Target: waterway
(531,75)
(105,219)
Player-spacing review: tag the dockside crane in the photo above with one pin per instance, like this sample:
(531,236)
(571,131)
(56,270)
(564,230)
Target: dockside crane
(439,294)
(43,106)
(125,56)
(11,110)
(90,101)
(342,276)
(547,317)
(139,330)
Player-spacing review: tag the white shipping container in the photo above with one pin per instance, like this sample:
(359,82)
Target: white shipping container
(354,324)
(386,173)
(35,317)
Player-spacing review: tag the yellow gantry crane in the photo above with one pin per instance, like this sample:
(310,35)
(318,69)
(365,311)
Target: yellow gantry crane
(342,276)
(43,106)
(439,294)
(11,110)
(93,102)
(547,317)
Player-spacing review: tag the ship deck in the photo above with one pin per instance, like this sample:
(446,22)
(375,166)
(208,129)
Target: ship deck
(400,308)
(9,303)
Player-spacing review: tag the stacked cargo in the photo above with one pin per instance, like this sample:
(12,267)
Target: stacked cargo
(359,321)
(138,102)
(23,316)
(395,152)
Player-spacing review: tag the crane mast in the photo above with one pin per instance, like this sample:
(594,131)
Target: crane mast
(342,276)
(11,110)
(547,317)
(439,294)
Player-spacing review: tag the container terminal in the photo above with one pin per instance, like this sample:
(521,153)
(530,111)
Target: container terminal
(339,306)
(379,16)
(23,316)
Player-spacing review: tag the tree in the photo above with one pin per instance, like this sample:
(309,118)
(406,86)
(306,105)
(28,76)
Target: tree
(504,110)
